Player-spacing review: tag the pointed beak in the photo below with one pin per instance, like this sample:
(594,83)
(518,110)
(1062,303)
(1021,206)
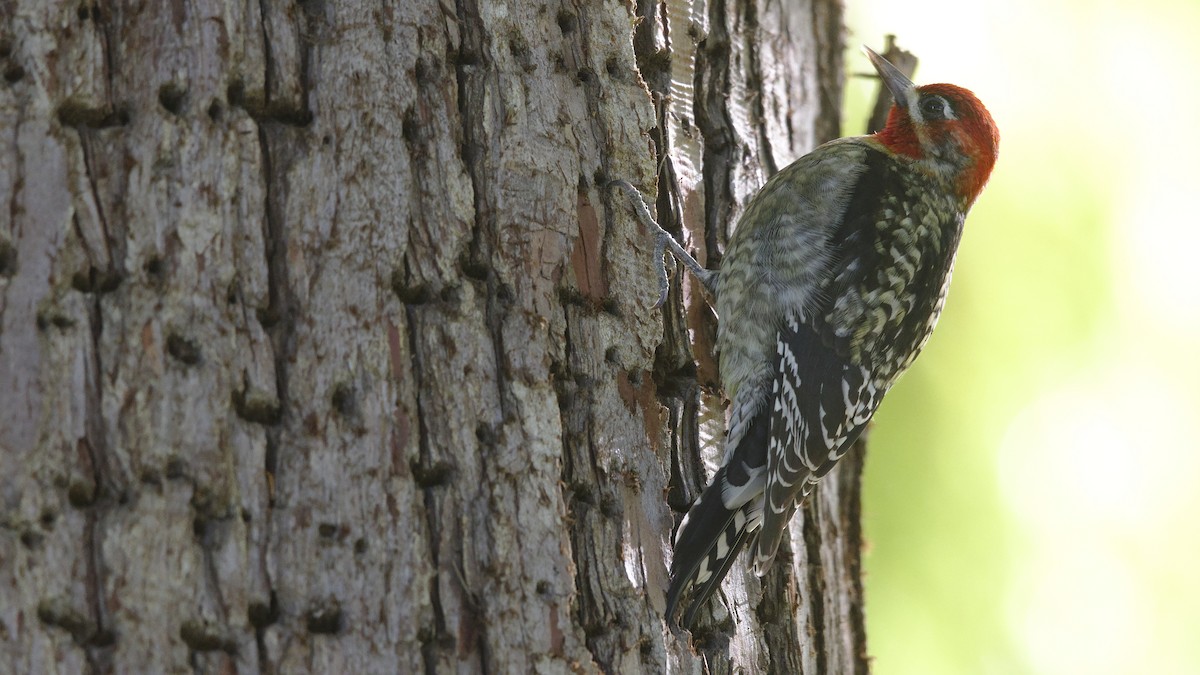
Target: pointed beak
(896,81)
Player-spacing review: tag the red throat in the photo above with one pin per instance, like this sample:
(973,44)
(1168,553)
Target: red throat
(898,135)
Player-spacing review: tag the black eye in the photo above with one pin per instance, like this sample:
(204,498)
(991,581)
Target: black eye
(934,108)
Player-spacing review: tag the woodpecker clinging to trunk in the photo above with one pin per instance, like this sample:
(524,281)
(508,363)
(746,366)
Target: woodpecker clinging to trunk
(829,288)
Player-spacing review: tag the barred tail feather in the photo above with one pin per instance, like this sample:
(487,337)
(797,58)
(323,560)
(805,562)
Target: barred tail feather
(709,539)
(738,537)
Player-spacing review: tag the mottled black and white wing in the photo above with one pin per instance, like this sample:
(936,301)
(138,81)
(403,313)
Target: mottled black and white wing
(820,403)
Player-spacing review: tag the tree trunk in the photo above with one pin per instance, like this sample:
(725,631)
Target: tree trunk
(324,349)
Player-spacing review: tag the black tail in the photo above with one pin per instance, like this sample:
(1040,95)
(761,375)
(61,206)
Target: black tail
(707,544)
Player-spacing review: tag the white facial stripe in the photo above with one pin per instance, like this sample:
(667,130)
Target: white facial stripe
(914,100)
(947,111)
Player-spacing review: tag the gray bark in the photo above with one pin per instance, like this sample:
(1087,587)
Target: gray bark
(323,349)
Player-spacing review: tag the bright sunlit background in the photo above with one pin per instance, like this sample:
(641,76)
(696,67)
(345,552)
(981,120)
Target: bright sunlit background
(1032,487)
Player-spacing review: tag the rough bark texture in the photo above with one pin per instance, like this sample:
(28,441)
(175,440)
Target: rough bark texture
(323,349)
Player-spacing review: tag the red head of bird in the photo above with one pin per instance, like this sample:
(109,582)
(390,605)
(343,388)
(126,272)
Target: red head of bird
(943,127)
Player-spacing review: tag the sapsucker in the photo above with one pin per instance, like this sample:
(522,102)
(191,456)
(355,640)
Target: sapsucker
(830,286)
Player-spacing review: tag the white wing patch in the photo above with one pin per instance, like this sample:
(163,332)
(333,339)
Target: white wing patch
(734,496)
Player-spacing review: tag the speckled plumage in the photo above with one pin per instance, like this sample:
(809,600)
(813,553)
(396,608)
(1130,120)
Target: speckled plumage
(830,287)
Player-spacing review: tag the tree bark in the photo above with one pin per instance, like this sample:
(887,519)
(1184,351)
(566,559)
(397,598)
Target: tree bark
(324,349)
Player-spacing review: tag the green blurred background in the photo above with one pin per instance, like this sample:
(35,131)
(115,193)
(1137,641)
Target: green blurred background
(1031,488)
